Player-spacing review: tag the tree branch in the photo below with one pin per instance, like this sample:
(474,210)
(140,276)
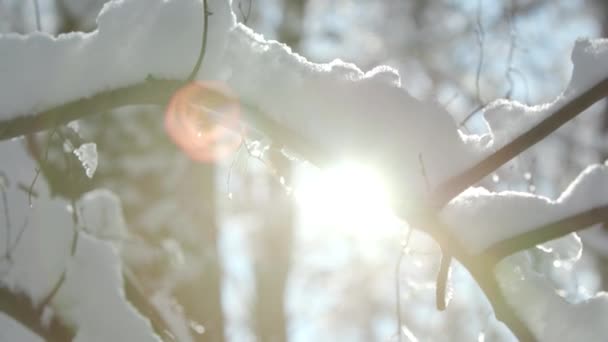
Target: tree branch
(485,278)
(152,91)
(452,187)
(20,308)
(158,92)
(545,233)
(201,54)
(136,296)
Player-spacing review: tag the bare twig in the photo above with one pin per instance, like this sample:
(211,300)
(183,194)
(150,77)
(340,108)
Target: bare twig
(40,162)
(7,218)
(138,297)
(547,232)
(512,37)
(472,113)
(423,171)
(480,39)
(245,16)
(201,54)
(73,246)
(37,11)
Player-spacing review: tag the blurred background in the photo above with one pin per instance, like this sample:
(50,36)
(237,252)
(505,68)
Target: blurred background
(235,252)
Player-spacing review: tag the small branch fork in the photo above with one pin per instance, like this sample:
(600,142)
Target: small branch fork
(481,266)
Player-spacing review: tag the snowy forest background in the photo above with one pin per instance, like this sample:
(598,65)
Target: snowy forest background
(271,249)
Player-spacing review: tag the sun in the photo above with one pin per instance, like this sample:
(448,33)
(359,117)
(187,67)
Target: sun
(348,195)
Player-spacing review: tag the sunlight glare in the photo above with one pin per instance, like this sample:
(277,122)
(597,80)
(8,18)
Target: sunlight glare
(348,195)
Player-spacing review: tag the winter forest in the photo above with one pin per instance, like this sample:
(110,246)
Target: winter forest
(303,170)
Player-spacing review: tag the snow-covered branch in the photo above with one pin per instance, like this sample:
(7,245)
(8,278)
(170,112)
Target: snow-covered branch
(321,111)
(506,222)
(563,114)
(148,92)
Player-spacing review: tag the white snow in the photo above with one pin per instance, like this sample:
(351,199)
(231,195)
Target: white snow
(550,316)
(135,39)
(91,298)
(365,116)
(481,218)
(507,118)
(597,239)
(590,60)
(87,154)
(350,113)
(100,213)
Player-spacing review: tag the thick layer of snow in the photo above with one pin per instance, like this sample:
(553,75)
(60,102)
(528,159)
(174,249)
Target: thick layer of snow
(548,311)
(350,113)
(481,218)
(91,298)
(135,39)
(507,119)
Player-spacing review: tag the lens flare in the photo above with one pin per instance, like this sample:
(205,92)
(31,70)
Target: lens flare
(202,118)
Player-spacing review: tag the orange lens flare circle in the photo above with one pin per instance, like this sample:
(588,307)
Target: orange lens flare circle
(202,119)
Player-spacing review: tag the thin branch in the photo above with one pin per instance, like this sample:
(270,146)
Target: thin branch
(41,162)
(482,271)
(423,172)
(49,297)
(480,39)
(245,16)
(472,113)
(512,37)
(7,220)
(137,296)
(201,54)
(37,11)
(545,233)
(448,190)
